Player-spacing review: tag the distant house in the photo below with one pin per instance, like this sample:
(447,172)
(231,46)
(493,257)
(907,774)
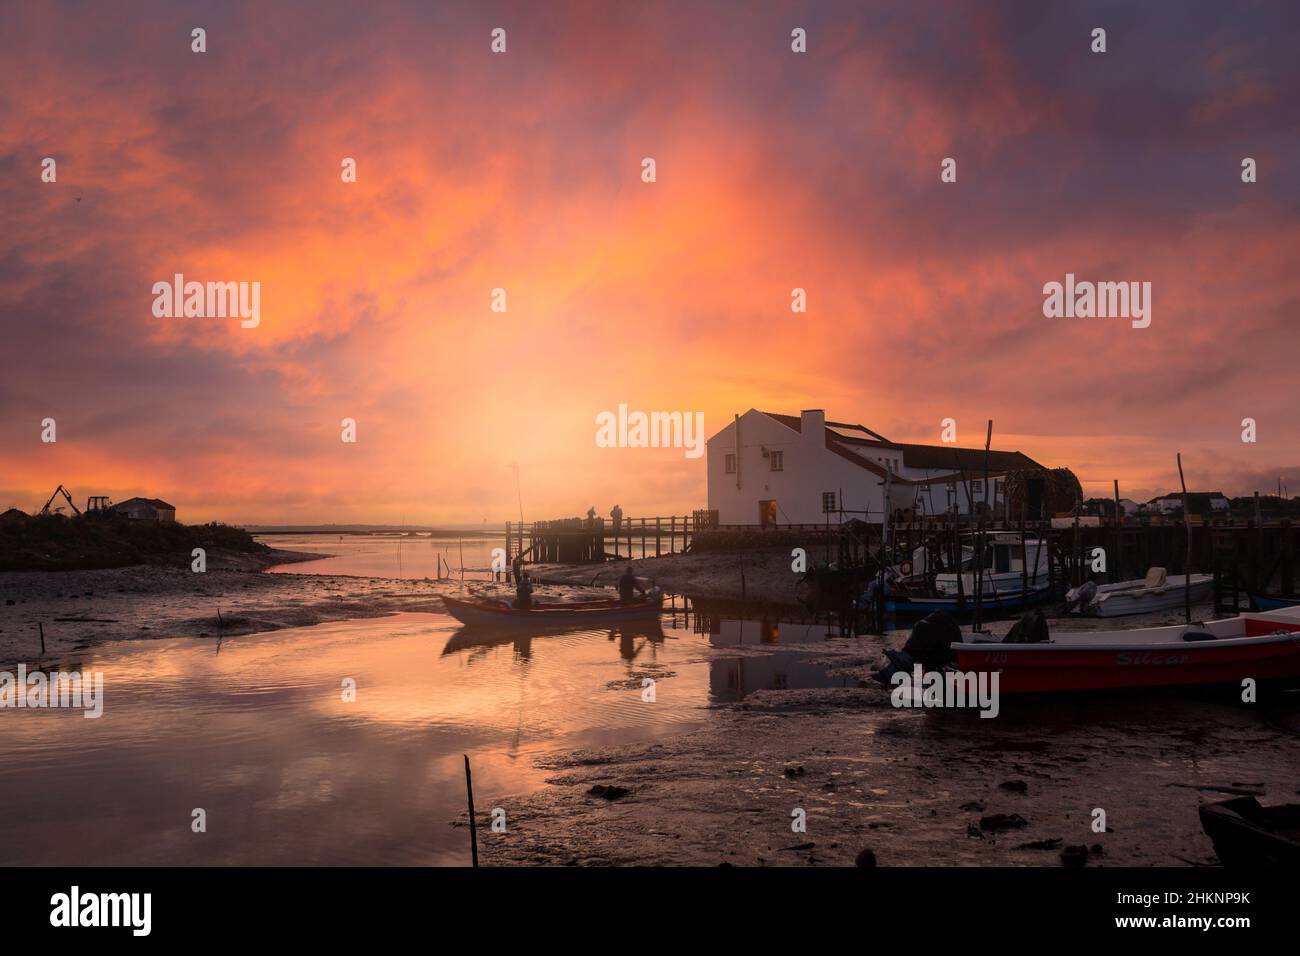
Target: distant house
(146,509)
(1198,502)
(771,469)
(1106,506)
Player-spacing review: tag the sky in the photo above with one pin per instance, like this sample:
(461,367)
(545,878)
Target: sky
(522,171)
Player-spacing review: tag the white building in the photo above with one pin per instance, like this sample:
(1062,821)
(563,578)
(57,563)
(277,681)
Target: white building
(769,469)
(1200,502)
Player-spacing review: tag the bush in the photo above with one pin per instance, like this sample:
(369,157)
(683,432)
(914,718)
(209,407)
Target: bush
(58,543)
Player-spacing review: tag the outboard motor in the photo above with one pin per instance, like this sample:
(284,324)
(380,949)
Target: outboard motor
(1030,629)
(1081,597)
(929,645)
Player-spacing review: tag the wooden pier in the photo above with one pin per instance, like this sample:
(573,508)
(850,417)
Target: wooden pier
(1244,556)
(593,540)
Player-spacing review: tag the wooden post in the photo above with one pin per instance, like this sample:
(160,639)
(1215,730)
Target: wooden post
(1287,583)
(1187,563)
(473,827)
(41,627)
(1117,564)
(1024,557)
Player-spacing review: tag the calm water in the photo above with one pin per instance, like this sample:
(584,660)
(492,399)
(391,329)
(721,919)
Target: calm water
(259,737)
(387,556)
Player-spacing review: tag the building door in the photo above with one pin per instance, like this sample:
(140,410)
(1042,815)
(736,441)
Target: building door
(767,513)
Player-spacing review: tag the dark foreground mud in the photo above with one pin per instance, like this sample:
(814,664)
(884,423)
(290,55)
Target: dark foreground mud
(914,787)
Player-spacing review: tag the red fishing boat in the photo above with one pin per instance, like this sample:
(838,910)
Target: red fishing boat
(1262,646)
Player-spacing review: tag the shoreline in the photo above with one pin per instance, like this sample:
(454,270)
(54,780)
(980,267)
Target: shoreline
(82,609)
(237,595)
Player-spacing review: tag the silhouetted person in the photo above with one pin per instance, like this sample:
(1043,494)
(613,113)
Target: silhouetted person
(617,515)
(627,585)
(523,592)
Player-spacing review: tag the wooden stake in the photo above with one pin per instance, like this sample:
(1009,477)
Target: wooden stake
(42,630)
(473,827)
(1187,562)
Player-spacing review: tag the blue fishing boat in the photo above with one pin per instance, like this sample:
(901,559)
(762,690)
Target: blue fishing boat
(1004,601)
(1263,602)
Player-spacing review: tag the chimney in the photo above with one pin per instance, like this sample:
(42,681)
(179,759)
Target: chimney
(812,427)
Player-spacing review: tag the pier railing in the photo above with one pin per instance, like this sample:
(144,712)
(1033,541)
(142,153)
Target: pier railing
(592,540)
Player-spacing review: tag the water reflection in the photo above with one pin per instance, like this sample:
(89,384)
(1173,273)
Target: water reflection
(255,731)
(631,638)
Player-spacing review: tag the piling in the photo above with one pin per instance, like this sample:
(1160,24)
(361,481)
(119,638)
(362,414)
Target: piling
(473,826)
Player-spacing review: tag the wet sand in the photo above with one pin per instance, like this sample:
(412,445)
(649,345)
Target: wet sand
(79,609)
(915,787)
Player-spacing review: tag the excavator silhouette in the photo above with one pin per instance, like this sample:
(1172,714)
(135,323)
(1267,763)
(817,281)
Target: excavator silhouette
(59,491)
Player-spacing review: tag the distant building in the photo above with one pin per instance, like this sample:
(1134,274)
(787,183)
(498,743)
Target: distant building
(771,469)
(1199,503)
(1106,506)
(146,509)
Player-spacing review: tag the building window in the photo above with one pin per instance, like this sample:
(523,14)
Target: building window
(730,464)
(977,486)
(997,488)
(828,502)
(952,495)
(778,461)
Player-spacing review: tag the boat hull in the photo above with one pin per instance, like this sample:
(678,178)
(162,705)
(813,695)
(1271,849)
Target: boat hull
(1263,602)
(1119,603)
(1001,602)
(1247,834)
(479,613)
(1151,657)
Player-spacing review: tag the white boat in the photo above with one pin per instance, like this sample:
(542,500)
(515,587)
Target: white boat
(1006,568)
(1156,592)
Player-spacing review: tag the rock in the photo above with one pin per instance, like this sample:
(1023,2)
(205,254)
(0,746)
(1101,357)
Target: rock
(998,822)
(1052,844)
(1014,786)
(609,792)
(865,858)
(795,771)
(973,807)
(1075,855)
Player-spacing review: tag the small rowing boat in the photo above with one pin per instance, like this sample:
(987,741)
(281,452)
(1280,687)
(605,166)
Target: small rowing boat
(1156,592)
(1263,647)
(502,613)
(1245,833)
